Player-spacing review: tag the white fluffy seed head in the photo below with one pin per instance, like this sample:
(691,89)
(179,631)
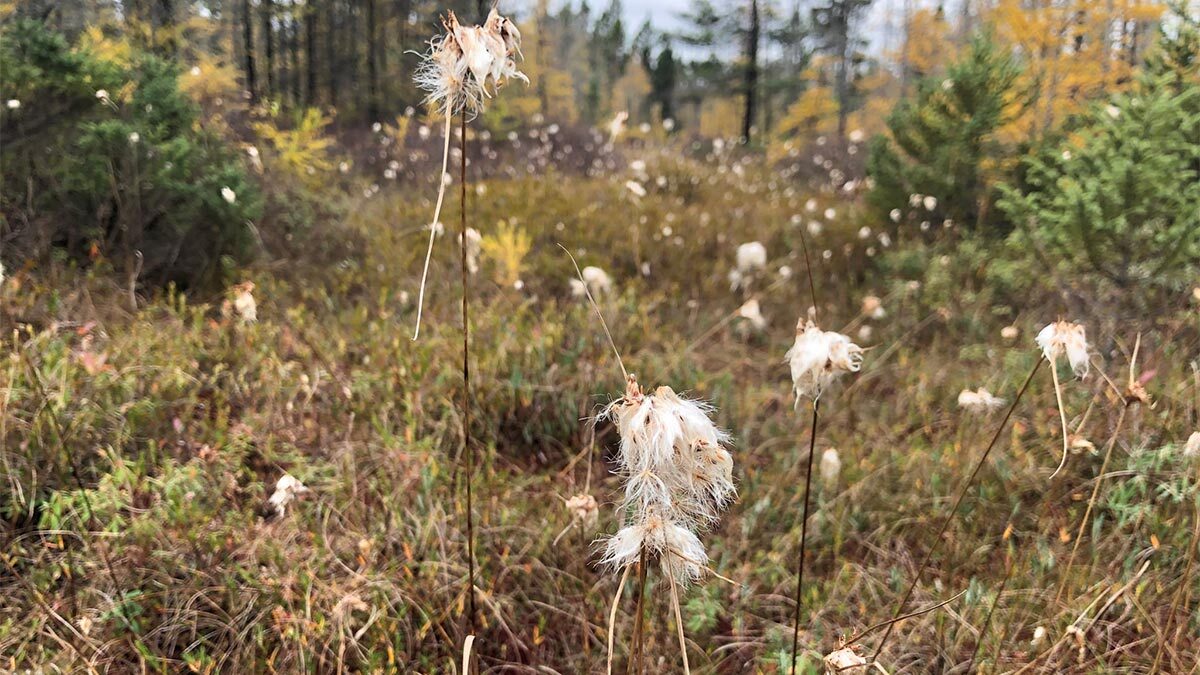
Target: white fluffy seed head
(1191,449)
(844,660)
(751,257)
(1063,338)
(818,357)
(831,467)
(751,311)
(678,477)
(466,64)
(287,488)
(584,509)
(979,401)
(474,249)
(595,280)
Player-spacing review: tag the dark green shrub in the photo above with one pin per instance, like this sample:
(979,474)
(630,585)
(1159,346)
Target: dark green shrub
(943,141)
(108,160)
(1120,196)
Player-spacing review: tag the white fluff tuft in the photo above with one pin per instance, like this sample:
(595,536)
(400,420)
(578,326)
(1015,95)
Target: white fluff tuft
(678,477)
(1065,338)
(818,357)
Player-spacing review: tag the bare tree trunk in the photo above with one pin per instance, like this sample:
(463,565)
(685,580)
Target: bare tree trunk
(751,72)
(331,55)
(542,94)
(310,53)
(372,64)
(248,49)
(294,48)
(267,12)
(842,35)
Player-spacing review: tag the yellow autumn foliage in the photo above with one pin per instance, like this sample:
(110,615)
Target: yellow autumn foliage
(507,249)
(300,153)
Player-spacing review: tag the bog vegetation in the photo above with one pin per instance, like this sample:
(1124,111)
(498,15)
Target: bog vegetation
(788,352)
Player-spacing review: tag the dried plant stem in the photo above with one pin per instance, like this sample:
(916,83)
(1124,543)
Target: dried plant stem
(812,285)
(962,493)
(1179,592)
(987,620)
(612,615)
(466,653)
(599,314)
(883,624)
(1112,442)
(678,619)
(635,657)
(437,214)
(468,447)
(1062,416)
(812,452)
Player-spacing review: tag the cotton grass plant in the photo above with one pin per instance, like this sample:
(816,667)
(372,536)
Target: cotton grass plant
(462,70)
(677,479)
(816,359)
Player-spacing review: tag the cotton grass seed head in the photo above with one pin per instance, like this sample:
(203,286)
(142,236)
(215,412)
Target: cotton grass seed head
(474,244)
(287,488)
(467,64)
(1063,338)
(979,401)
(1191,449)
(831,467)
(583,509)
(677,475)
(595,280)
(244,303)
(752,313)
(751,257)
(818,357)
(844,660)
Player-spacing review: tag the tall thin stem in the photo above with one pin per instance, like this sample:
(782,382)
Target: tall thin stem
(937,539)
(612,615)
(437,214)
(1066,580)
(61,434)
(812,451)
(678,619)
(987,621)
(468,447)
(1179,592)
(812,286)
(1062,416)
(635,658)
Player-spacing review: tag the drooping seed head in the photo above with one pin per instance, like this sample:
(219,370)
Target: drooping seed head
(467,64)
(818,357)
(1063,338)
